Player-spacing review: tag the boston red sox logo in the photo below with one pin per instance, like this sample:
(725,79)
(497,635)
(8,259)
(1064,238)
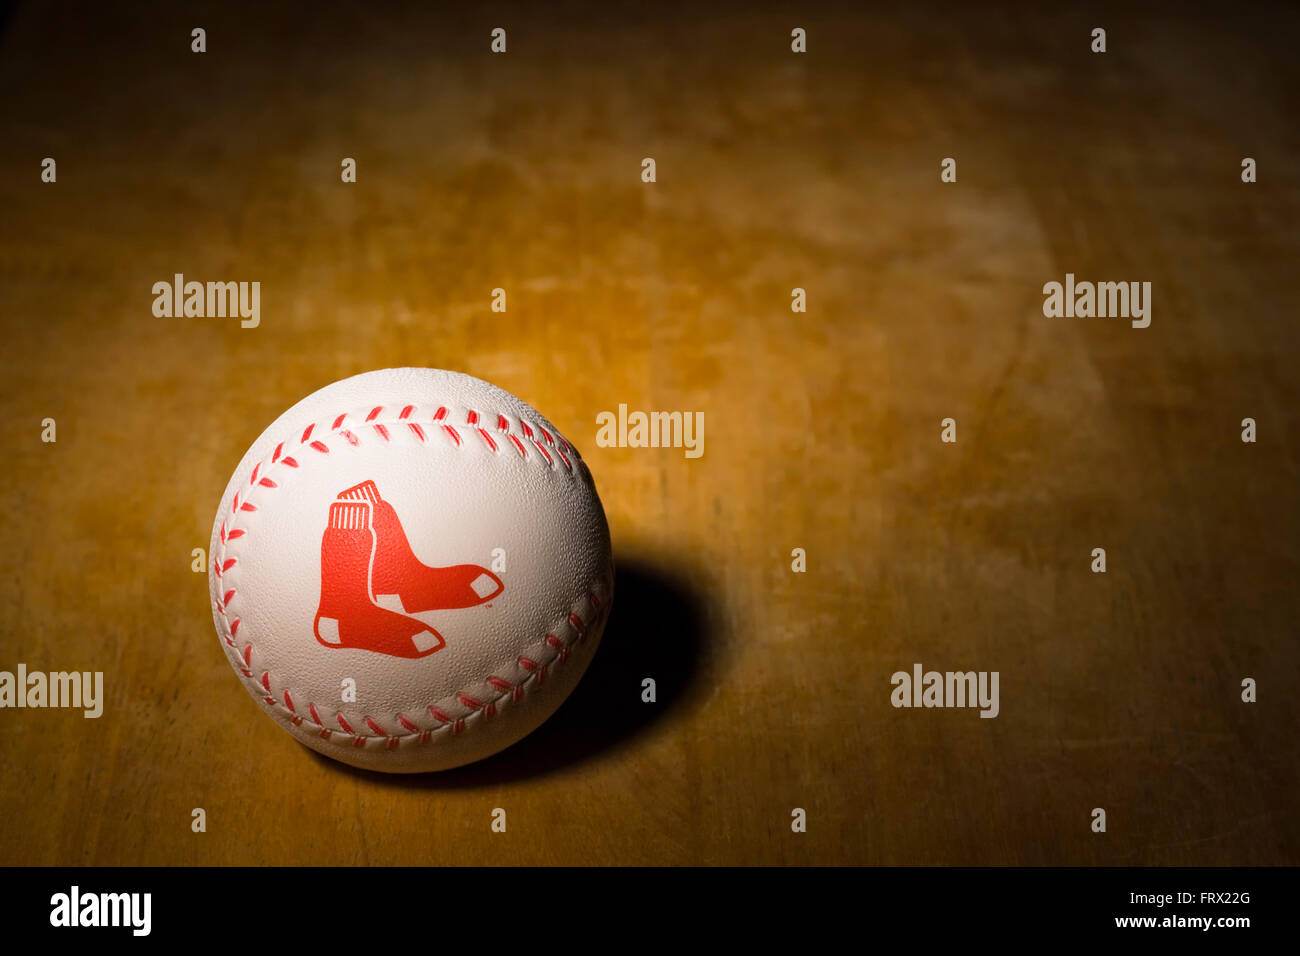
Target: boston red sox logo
(365,559)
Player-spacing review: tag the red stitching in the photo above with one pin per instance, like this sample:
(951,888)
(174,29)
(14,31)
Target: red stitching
(560,646)
(536,671)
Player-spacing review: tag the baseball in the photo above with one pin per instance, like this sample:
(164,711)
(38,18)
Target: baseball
(410,570)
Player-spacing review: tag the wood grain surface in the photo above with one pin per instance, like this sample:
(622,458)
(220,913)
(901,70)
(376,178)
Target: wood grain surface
(775,170)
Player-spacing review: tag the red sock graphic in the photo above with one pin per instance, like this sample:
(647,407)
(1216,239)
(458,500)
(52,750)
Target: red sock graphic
(348,616)
(398,571)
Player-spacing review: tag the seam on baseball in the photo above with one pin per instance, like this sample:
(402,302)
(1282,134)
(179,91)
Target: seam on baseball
(442,711)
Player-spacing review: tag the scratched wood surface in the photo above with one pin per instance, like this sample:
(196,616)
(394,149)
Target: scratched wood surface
(775,171)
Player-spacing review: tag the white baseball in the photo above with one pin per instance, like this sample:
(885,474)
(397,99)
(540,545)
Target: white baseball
(410,570)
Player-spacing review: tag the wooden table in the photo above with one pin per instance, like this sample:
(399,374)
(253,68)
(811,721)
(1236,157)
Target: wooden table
(775,171)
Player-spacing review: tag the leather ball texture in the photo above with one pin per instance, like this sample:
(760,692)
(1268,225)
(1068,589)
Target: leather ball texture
(410,570)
